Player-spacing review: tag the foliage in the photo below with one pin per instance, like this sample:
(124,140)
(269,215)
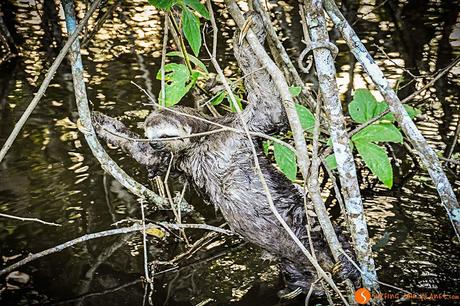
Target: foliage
(368,142)
(198,64)
(286,160)
(178,82)
(295,91)
(181,78)
(363,108)
(191,28)
(190,22)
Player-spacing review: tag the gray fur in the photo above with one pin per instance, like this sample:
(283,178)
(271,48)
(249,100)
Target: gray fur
(221,167)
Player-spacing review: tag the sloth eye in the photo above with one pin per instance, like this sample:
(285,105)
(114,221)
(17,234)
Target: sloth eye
(167,136)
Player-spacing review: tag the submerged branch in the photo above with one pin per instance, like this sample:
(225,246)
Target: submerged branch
(29,219)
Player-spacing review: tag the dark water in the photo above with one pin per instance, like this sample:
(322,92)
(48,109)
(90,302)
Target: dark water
(50,173)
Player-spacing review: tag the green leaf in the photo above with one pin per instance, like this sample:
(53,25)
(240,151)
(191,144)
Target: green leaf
(218,98)
(198,7)
(192,58)
(363,106)
(307,120)
(163,4)
(412,111)
(295,90)
(232,106)
(380,108)
(286,160)
(265,145)
(177,82)
(376,159)
(331,162)
(191,28)
(381,132)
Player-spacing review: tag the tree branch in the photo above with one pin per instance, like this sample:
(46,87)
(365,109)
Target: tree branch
(428,156)
(118,231)
(85,117)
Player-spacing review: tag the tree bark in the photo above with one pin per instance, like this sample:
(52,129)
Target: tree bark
(324,62)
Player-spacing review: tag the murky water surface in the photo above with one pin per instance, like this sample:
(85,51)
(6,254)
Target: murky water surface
(51,174)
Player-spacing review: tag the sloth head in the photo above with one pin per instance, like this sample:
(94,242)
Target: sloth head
(171,130)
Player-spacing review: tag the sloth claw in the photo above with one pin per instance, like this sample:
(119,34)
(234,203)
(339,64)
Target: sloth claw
(337,268)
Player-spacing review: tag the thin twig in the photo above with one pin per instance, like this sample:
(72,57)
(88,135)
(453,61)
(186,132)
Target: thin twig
(144,242)
(450,160)
(163,60)
(94,294)
(408,98)
(381,283)
(375,8)
(215,30)
(29,219)
(100,23)
(454,140)
(168,193)
(200,134)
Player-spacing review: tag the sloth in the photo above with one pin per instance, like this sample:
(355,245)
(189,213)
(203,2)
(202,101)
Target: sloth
(221,167)
(219,163)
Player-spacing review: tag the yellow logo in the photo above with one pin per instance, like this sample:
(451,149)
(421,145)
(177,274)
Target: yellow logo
(362,296)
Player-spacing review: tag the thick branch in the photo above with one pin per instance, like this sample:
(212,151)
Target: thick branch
(325,68)
(281,86)
(85,117)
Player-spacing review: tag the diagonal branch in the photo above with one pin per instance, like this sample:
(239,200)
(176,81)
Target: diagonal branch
(428,156)
(85,116)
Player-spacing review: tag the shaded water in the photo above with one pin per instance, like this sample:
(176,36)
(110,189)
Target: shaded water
(50,173)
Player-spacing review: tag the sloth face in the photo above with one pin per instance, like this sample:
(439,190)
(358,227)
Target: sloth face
(167,132)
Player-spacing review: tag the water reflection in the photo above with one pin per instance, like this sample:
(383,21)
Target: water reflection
(50,173)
